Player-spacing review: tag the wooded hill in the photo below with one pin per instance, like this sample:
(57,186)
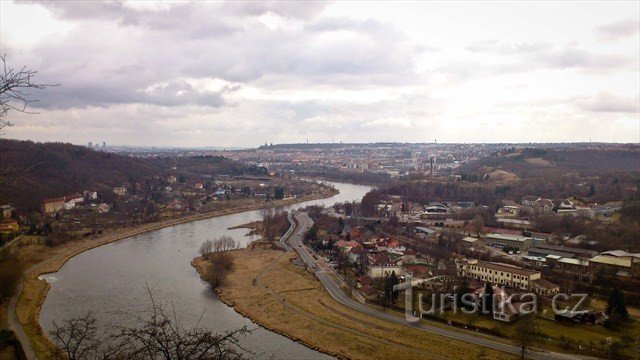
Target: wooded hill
(592,161)
(31,172)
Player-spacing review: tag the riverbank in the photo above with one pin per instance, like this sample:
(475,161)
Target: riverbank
(50,260)
(296,306)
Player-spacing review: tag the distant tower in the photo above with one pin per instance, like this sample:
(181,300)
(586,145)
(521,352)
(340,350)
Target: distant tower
(90,144)
(431,162)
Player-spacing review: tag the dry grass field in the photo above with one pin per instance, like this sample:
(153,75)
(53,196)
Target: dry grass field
(300,309)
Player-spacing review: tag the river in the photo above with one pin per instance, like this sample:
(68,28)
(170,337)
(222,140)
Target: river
(110,281)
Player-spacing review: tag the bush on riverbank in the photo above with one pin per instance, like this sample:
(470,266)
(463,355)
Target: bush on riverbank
(219,262)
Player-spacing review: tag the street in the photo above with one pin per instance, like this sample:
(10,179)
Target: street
(323,273)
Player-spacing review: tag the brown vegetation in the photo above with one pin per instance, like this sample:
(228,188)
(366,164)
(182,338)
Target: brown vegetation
(218,261)
(300,309)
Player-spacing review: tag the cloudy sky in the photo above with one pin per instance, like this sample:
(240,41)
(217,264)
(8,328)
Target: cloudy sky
(246,73)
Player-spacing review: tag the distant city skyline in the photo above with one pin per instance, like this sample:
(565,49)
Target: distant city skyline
(237,74)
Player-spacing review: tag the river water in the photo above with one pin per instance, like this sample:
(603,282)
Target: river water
(111,281)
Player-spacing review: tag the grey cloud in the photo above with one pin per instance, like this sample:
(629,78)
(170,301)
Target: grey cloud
(198,19)
(528,57)
(106,62)
(606,102)
(173,93)
(618,29)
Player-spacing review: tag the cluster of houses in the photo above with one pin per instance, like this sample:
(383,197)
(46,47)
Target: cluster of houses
(69,202)
(571,206)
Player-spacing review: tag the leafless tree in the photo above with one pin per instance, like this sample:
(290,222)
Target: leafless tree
(206,248)
(14,90)
(157,335)
(77,338)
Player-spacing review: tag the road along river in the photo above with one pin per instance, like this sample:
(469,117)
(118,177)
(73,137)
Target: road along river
(110,281)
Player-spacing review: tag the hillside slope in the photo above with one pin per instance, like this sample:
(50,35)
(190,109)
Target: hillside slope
(32,171)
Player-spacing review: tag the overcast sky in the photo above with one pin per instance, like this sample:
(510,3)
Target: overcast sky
(246,73)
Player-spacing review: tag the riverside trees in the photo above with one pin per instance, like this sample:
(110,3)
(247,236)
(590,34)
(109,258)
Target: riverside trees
(219,261)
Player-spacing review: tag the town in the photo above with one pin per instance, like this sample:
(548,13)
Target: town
(317,180)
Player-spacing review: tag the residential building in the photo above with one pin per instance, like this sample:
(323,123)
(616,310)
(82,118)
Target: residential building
(9,226)
(52,206)
(381,265)
(7,211)
(498,273)
(544,287)
(538,203)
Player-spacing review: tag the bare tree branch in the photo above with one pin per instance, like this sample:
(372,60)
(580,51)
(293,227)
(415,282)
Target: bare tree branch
(14,90)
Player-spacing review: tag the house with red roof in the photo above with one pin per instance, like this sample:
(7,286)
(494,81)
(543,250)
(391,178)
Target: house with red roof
(381,265)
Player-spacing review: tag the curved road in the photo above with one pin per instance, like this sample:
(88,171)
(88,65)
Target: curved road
(333,288)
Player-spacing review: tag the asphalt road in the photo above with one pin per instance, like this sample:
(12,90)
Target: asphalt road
(323,273)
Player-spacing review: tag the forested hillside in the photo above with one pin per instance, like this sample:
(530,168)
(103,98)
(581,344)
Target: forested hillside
(31,172)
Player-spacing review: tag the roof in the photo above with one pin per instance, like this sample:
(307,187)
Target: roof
(612,260)
(620,253)
(549,253)
(572,261)
(381,260)
(543,202)
(507,237)
(534,258)
(514,221)
(567,249)
(425,229)
(469,239)
(356,250)
(544,284)
(417,270)
(505,268)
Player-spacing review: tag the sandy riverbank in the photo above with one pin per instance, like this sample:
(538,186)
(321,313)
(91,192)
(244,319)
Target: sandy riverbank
(34,292)
(301,310)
